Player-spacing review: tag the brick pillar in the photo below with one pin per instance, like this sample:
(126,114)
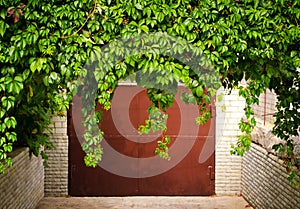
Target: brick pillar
(56,175)
(228,167)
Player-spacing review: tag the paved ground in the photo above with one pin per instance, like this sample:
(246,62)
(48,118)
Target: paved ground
(140,202)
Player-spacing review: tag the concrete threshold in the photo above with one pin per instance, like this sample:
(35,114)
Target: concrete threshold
(145,202)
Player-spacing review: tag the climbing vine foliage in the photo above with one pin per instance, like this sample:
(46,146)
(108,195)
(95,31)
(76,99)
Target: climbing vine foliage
(47,47)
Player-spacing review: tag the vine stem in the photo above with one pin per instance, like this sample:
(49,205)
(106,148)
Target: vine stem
(87,18)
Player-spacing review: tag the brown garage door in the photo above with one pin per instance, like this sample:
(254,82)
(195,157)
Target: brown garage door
(129,165)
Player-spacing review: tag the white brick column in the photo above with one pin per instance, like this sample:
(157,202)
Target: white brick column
(228,167)
(56,175)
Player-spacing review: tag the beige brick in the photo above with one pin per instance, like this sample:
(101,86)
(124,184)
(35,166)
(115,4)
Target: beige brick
(23,184)
(228,175)
(264,181)
(56,175)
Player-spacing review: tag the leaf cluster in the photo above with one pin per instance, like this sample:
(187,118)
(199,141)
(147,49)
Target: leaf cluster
(48,48)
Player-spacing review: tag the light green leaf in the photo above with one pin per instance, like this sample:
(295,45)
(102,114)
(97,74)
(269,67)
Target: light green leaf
(138,6)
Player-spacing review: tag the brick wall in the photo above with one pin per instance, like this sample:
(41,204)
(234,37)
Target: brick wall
(23,184)
(264,178)
(228,167)
(56,175)
(264,181)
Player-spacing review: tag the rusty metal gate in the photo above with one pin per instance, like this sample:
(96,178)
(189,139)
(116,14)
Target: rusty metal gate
(129,165)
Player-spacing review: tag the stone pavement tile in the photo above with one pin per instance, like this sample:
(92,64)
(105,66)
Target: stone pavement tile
(145,202)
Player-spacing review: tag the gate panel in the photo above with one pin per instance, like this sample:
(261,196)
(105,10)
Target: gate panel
(84,181)
(186,178)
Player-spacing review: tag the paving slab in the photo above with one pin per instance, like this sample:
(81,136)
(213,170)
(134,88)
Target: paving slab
(145,202)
